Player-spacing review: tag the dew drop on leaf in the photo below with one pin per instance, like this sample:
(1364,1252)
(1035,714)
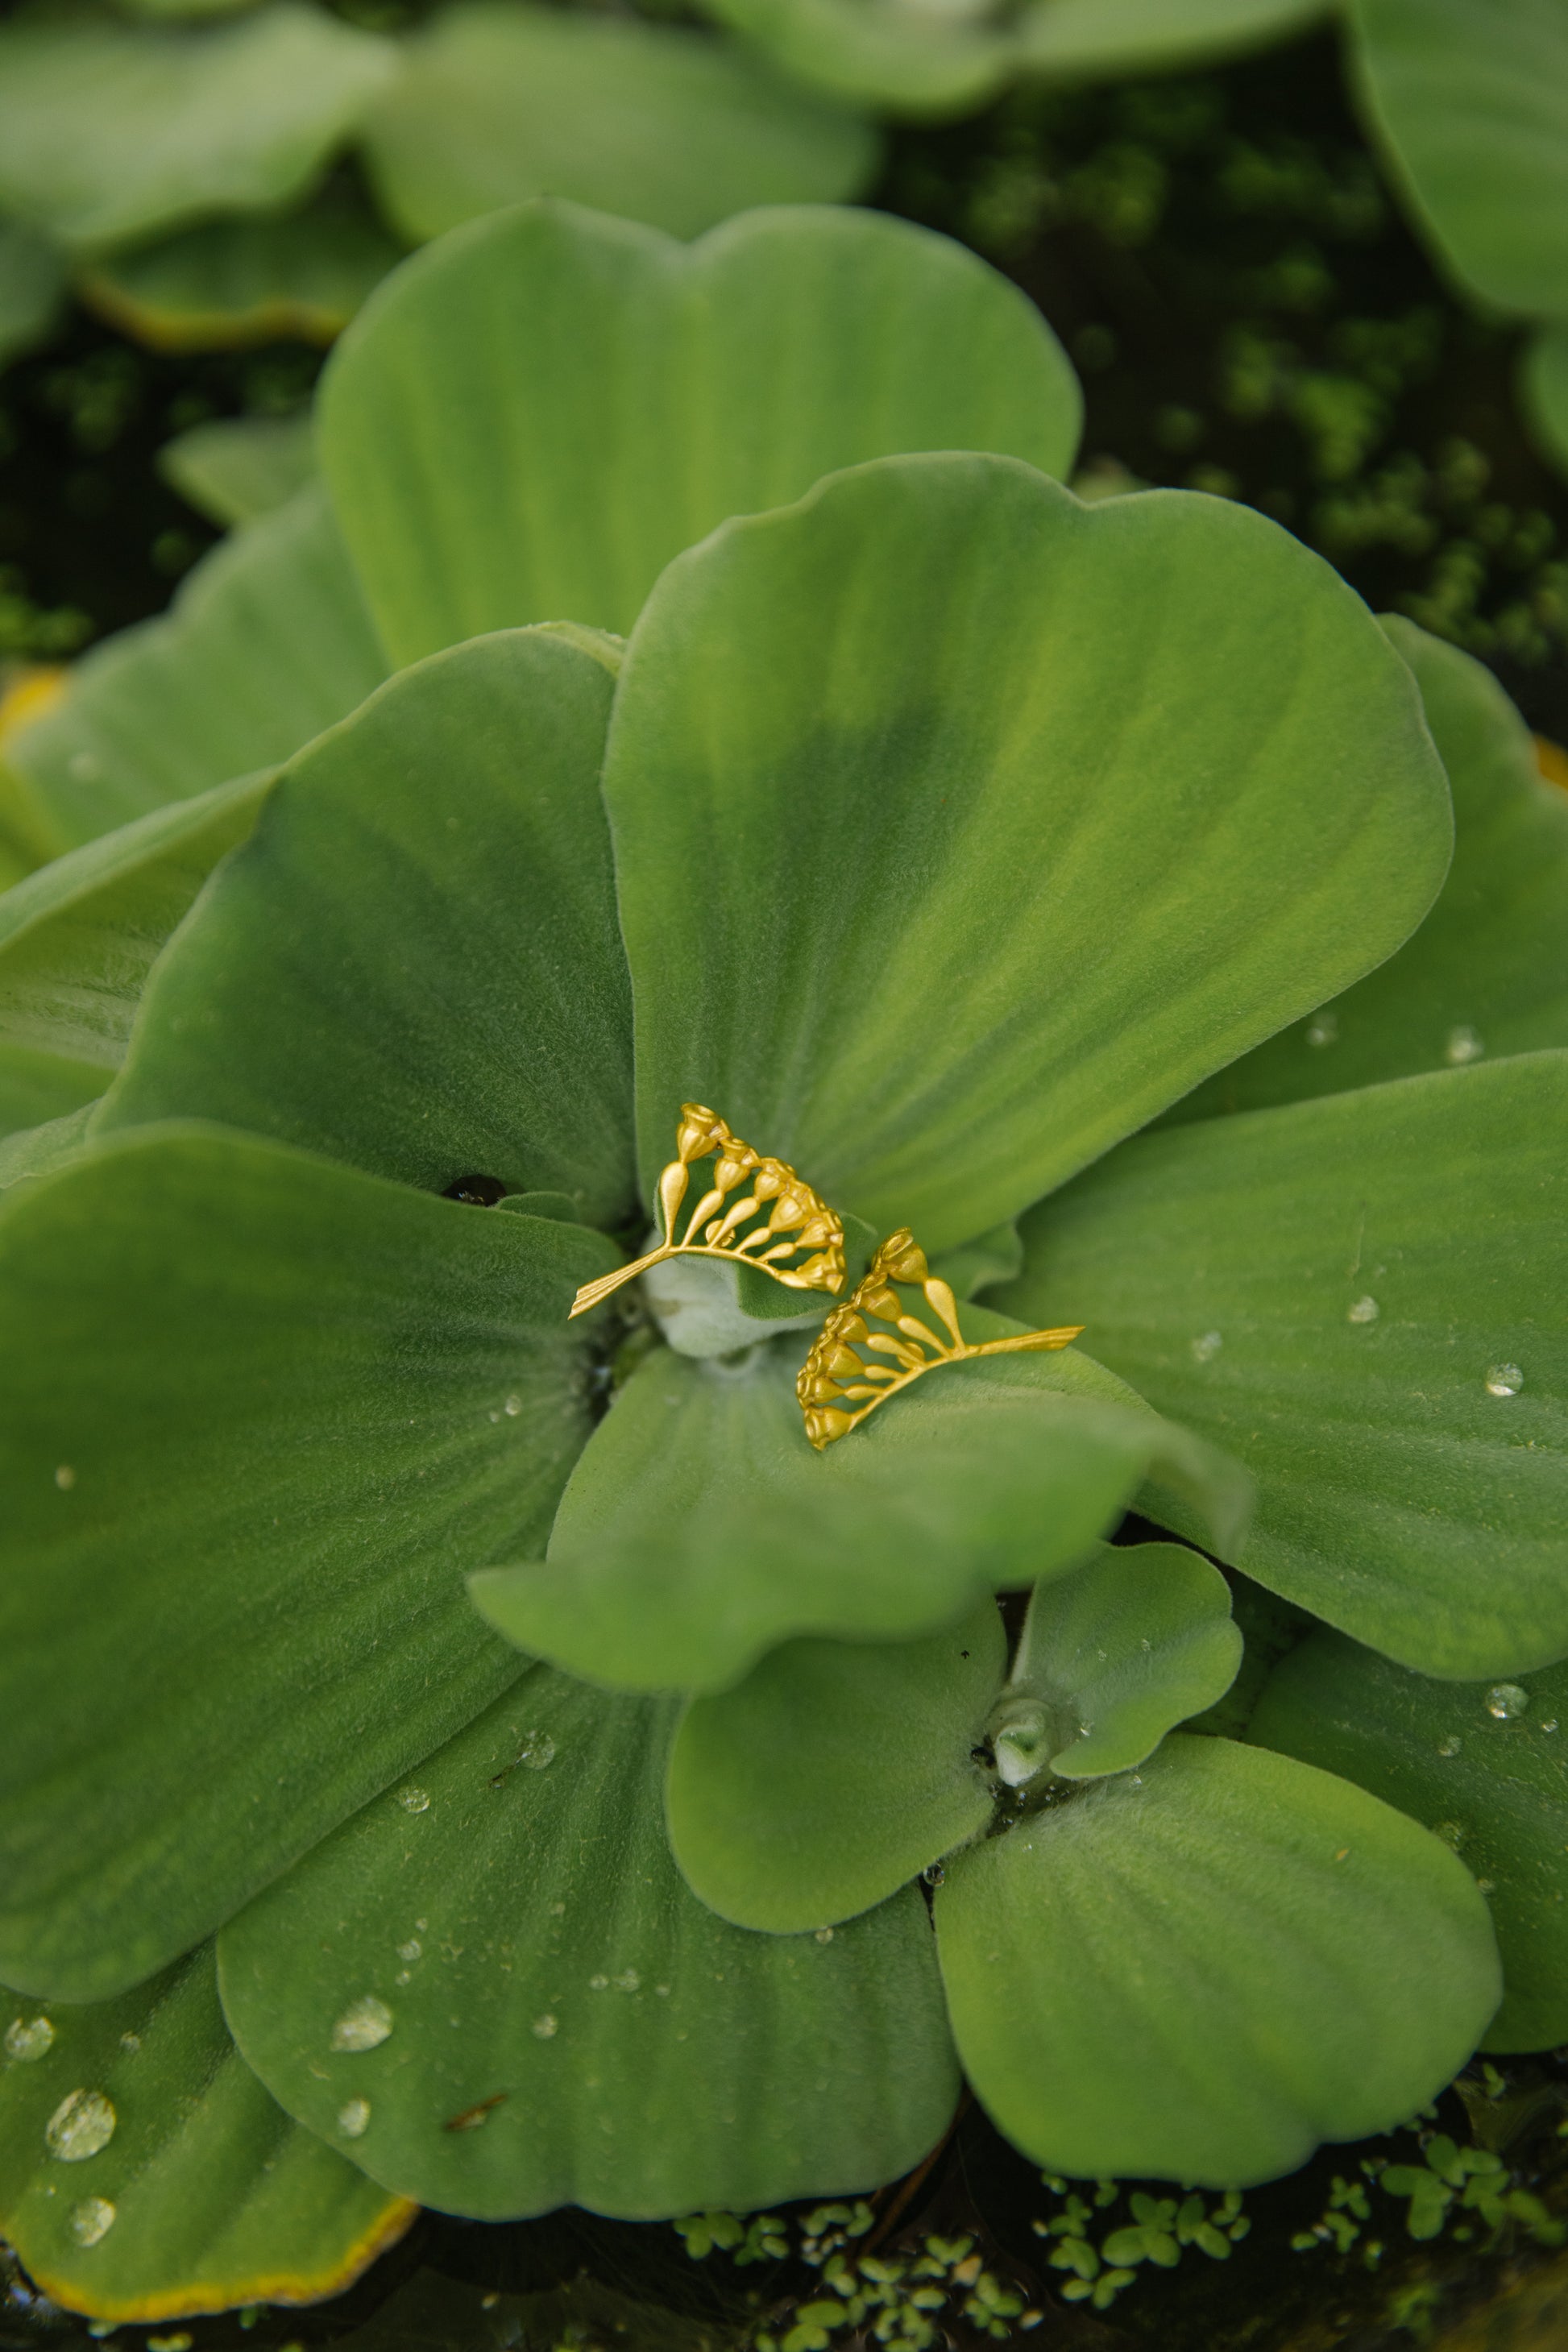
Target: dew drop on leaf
(412,1950)
(414,1800)
(1464,1045)
(537,1751)
(353,2117)
(27,2038)
(1451,1745)
(546,2027)
(1322,1029)
(363,2025)
(1504,1380)
(1207,1344)
(82,2123)
(1507,1701)
(825,1934)
(1363,1310)
(91,2220)
(1451,1832)
(628,1980)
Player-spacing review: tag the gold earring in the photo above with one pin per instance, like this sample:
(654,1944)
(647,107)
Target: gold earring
(796,1222)
(846,1364)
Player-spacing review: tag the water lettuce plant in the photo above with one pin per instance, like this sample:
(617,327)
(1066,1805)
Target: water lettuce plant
(179,160)
(470,1753)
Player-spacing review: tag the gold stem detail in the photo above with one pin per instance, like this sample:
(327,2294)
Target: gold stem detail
(843,1367)
(780,1220)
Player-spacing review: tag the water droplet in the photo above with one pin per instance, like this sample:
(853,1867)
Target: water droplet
(1207,1344)
(1548,1723)
(1144,1643)
(1506,1701)
(363,2025)
(1451,1745)
(628,1980)
(1463,1045)
(27,2038)
(413,1951)
(662,1991)
(1504,1380)
(414,1800)
(64,1478)
(404,1975)
(512,1407)
(537,1750)
(353,2117)
(131,2042)
(91,2220)
(545,2026)
(1322,1029)
(1451,1832)
(1363,1310)
(598,1984)
(82,2123)
(1485,1885)
(1137,1779)
(933,1873)
(825,1934)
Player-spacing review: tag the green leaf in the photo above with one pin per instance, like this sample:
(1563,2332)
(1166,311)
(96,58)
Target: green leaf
(1340,1292)
(1200,1971)
(39,1150)
(1487,970)
(456,822)
(1112,1656)
(699,1528)
(36,1088)
(674,387)
(78,937)
(500,101)
(1469,98)
(203,2195)
(239,468)
(269,642)
(882,52)
(1482,1765)
(989,1258)
(282,1407)
(834,1773)
(226,284)
(1074,38)
(32,285)
(1543,393)
(620,2048)
(111,131)
(957,932)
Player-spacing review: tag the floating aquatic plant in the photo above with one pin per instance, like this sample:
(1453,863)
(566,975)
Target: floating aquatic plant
(469,1754)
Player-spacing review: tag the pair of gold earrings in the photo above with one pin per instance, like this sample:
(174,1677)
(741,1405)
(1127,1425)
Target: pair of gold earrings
(782,1226)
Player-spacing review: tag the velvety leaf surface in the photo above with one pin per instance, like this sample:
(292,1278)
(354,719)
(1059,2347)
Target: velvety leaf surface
(619,2047)
(500,101)
(1127,36)
(530,422)
(1487,970)
(36,1087)
(1470,100)
(914,60)
(1113,1654)
(236,468)
(269,642)
(1201,1970)
(415,964)
(1481,1764)
(699,1528)
(109,132)
(203,2194)
(834,1773)
(1543,389)
(226,284)
(39,1151)
(1341,1293)
(78,939)
(283,1406)
(1014,818)
(32,284)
